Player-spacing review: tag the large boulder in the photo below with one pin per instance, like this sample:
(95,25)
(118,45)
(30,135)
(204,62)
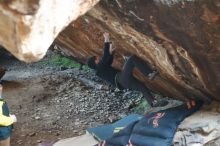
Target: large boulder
(28,27)
(180,38)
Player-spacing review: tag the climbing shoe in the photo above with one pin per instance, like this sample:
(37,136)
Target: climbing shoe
(152,75)
(125,58)
(159,103)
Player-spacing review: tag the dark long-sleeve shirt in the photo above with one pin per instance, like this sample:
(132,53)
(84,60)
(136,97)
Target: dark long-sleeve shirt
(104,69)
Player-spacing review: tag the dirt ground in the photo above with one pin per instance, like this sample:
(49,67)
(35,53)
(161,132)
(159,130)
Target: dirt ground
(28,97)
(20,96)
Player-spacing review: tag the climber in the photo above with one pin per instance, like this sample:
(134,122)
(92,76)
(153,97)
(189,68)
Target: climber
(6,121)
(123,79)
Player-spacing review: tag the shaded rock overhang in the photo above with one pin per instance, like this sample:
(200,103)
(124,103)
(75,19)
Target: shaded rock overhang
(179,38)
(28,27)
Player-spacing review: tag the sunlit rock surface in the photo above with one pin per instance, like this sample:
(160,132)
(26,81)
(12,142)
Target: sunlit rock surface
(28,27)
(200,129)
(181,39)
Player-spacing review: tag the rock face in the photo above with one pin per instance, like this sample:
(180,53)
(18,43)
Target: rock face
(179,38)
(200,129)
(28,27)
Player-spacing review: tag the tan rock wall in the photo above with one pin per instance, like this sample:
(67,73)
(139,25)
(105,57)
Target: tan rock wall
(28,27)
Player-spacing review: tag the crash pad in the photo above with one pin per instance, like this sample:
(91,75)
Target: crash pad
(154,129)
(106,131)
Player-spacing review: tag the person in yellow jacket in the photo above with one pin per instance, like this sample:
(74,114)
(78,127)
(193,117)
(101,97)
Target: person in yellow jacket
(6,121)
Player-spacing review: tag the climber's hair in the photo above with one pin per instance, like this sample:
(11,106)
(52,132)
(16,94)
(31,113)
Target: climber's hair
(91,62)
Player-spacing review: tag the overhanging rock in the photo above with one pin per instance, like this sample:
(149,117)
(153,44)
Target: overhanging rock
(28,27)
(180,38)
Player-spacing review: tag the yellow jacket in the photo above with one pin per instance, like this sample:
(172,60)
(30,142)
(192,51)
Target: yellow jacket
(5,119)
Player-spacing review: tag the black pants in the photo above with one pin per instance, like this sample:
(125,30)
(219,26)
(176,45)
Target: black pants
(128,81)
